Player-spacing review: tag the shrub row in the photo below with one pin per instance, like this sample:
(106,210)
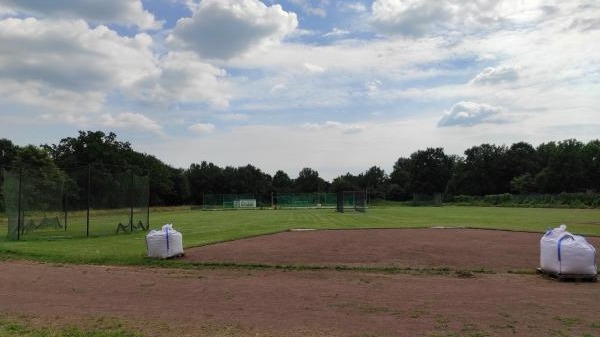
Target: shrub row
(562,200)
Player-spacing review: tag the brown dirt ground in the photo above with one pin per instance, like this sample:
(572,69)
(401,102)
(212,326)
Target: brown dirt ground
(282,302)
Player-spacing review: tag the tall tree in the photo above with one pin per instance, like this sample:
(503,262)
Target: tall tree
(591,164)
(282,183)
(92,147)
(204,178)
(8,152)
(522,163)
(347,182)
(399,180)
(429,171)
(375,181)
(484,171)
(308,181)
(565,168)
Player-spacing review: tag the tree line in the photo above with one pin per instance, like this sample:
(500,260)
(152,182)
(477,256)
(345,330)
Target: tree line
(487,169)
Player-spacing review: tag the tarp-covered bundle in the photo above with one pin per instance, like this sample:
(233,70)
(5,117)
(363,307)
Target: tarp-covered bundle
(164,243)
(563,253)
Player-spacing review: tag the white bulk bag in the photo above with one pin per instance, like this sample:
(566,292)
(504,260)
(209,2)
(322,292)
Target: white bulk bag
(164,243)
(564,253)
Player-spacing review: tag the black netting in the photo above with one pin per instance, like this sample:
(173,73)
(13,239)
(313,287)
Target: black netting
(81,201)
(351,200)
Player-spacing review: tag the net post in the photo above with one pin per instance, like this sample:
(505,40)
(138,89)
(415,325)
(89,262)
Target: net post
(65,208)
(148,202)
(131,203)
(89,188)
(19,204)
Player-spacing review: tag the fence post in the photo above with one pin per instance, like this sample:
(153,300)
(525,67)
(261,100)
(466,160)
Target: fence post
(19,204)
(148,202)
(89,192)
(65,207)
(131,204)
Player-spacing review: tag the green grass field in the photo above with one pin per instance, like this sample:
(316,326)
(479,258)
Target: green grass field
(205,227)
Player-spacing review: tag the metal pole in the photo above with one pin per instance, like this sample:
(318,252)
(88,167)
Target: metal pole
(19,204)
(131,204)
(65,207)
(148,202)
(89,188)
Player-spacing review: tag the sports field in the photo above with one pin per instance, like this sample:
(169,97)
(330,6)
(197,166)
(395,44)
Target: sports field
(392,275)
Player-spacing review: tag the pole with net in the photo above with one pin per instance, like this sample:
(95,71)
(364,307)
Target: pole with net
(19,204)
(131,204)
(89,188)
(64,204)
(148,202)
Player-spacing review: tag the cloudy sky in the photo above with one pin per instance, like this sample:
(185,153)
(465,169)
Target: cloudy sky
(337,86)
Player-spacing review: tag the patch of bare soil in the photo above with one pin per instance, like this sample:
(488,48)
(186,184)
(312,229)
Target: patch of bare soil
(459,249)
(272,302)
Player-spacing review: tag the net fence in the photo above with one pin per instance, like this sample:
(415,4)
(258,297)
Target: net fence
(306,200)
(75,202)
(351,200)
(274,200)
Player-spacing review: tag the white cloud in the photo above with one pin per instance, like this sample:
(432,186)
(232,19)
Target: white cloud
(493,75)
(357,7)
(126,13)
(410,17)
(310,9)
(130,121)
(467,113)
(224,29)
(201,128)
(70,55)
(234,117)
(313,68)
(36,96)
(373,86)
(337,32)
(183,77)
(350,69)
(336,126)
(63,64)
(417,18)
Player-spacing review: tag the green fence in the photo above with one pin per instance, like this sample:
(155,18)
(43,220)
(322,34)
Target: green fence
(75,202)
(274,200)
(305,200)
(235,201)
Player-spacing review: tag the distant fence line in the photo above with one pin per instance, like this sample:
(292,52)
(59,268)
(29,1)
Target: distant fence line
(275,201)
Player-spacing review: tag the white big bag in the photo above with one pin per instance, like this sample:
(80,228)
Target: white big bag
(564,253)
(164,243)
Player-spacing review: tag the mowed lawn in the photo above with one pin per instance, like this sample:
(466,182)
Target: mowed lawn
(205,227)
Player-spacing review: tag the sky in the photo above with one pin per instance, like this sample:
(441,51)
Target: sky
(336,86)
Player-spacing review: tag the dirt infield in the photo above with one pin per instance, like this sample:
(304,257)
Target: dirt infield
(247,301)
(454,248)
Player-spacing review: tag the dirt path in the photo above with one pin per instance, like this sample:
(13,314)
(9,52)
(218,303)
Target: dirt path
(269,302)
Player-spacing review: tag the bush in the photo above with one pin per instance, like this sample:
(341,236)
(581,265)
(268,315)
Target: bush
(562,200)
